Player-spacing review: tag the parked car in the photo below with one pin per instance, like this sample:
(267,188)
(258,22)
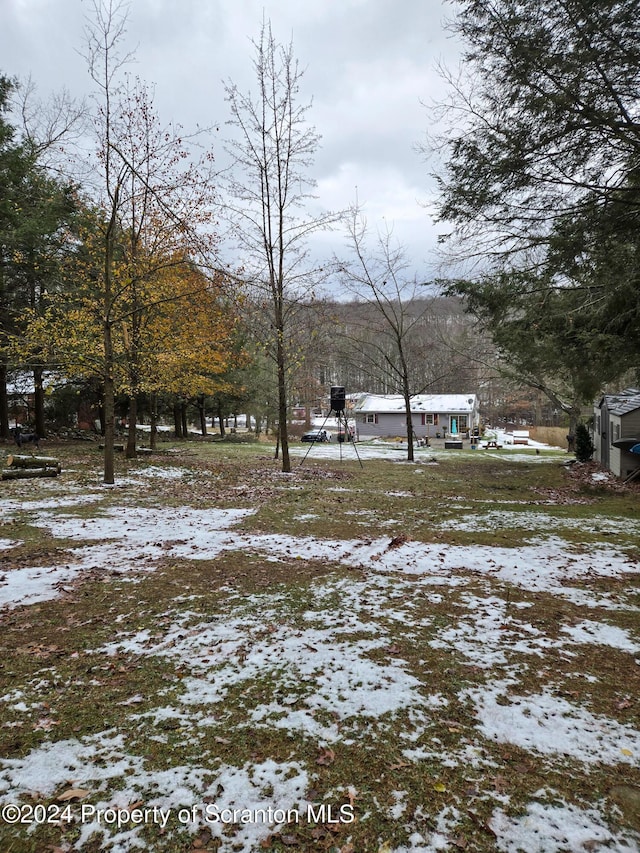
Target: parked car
(316,435)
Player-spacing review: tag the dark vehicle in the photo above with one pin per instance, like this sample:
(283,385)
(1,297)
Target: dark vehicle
(316,435)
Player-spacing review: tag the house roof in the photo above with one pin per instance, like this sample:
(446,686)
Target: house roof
(432,403)
(622,403)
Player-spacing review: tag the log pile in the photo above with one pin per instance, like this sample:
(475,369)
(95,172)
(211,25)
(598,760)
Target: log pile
(23,467)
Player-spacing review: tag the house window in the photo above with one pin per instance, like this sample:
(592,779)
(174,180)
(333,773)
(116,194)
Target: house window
(429,420)
(463,422)
(371,419)
(615,432)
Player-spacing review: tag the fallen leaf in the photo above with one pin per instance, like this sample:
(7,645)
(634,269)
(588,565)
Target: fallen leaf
(327,756)
(73,794)
(45,724)
(439,787)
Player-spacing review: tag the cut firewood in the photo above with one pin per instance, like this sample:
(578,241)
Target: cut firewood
(25,473)
(16,461)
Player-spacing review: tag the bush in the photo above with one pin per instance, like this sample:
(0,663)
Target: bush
(584,445)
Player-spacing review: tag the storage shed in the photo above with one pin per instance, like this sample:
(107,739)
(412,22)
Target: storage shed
(616,430)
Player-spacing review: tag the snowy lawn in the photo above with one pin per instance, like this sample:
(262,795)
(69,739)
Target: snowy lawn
(212,655)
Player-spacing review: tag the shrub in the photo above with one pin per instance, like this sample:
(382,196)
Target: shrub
(584,445)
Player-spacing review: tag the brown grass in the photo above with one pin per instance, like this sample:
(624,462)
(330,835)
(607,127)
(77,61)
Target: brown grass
(554,436)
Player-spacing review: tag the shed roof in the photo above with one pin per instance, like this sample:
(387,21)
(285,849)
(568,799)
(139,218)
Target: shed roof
(433,403)
(623,402)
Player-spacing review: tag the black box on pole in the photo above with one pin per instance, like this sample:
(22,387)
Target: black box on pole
(337,398)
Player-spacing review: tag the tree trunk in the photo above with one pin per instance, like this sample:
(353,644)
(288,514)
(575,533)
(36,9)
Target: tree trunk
(109,357)
(109,408)
(177,423)
(183,418)
(221,419)
(4,402)
(203,419)
(282,397)
(39,402)
(133,426)
(407,403)
(153,432)
(409,420)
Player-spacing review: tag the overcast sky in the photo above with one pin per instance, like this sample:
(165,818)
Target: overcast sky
(371,65)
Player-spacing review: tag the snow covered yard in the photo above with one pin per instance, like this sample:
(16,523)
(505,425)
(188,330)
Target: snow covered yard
(213,655)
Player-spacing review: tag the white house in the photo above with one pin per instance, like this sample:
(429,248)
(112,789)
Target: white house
(616,429)
(431,415)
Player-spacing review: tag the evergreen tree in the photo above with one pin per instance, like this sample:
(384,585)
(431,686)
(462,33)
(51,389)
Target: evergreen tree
(584,445)
(541,175)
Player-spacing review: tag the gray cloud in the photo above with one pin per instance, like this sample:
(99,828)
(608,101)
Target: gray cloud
(368,66)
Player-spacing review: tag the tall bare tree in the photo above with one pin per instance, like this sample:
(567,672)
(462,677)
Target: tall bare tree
(377,273)
(269,189)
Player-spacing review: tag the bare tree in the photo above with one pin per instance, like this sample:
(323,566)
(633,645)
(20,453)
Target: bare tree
(269,188)
(378,276)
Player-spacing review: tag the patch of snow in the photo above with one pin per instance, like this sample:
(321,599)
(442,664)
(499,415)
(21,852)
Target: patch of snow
(538,521)
(598,633)
(155,471)
(34,584)
(551,725)
(45,769)
(551,828)
(491,636)
(317,670)
(201,792)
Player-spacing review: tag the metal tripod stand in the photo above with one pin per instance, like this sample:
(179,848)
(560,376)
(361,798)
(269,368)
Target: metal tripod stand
(342,422)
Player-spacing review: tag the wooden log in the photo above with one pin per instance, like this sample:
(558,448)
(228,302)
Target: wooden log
(15,461)
(25,473)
